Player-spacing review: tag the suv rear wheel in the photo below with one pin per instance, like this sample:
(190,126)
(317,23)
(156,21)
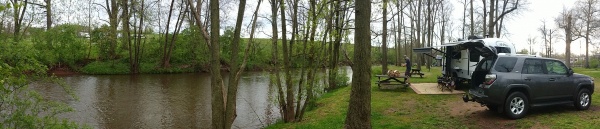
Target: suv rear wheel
(516,105)
(583,99)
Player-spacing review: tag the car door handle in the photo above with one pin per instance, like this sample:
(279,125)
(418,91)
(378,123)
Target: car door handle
(551,79)
(527,79)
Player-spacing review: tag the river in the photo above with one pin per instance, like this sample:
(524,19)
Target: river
(163,100)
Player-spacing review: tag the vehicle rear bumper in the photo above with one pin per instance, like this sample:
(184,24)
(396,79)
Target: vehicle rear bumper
(478,95)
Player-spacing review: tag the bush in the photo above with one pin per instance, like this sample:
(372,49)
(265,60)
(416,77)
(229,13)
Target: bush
(21,106)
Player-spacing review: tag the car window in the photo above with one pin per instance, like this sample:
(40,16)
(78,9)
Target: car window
(502,49)
(505,64)
(474,56)
(485,64)
(555,67)
(533,66)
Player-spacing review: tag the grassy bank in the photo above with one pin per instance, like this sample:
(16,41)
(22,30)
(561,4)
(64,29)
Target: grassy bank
(406,109)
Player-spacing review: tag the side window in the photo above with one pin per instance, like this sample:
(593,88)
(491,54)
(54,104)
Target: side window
(505,64)
(555,67)
(474,56)
(485,64)
(533,66)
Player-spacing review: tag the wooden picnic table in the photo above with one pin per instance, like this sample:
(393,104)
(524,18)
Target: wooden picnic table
(417,72)
(387,80)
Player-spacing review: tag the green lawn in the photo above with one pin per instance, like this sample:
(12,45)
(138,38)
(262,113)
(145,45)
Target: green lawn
(405,109)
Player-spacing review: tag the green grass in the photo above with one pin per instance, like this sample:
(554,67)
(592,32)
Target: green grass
(405,109)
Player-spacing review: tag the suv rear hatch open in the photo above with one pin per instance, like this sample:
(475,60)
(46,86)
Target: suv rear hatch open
(480,47)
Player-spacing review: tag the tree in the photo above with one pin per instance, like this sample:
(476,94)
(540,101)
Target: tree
(337,22)
(588,14)
(224,98)
(19,9)
(472,26)
(497,15)
(359,109)
(48,7)
(112,11)
(170,42)
(384,39)
(566,22)
(531,42)
(217,93)
(547,36)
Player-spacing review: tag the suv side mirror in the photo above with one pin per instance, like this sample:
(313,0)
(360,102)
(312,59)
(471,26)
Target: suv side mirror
(570,72)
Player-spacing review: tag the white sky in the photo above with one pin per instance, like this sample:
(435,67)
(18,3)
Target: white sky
(526,25)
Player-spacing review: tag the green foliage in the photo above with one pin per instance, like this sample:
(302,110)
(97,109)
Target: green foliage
(342,78)
(523,51)
(61,44)
(594,62)
(100,36)
(21,106)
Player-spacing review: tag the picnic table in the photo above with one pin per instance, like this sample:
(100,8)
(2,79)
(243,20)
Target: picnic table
(416,72)
(388,80)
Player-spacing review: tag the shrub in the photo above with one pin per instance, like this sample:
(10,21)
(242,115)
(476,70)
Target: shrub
(21,106)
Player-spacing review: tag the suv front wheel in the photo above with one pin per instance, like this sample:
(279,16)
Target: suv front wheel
(516,105)
(583,100)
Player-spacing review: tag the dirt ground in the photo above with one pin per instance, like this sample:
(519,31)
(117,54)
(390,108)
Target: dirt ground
(61,70)
(474,113)
(482,116)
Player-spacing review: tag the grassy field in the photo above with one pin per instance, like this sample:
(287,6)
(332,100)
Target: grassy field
(405,109)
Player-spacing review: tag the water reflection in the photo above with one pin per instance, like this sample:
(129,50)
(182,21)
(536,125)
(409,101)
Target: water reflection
(162,100)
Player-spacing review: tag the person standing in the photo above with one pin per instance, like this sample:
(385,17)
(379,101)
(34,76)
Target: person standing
(408,68)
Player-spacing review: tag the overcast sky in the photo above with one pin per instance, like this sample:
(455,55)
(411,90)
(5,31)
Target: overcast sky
(526,25)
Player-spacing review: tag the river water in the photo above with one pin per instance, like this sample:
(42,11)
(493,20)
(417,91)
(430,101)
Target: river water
(163,100)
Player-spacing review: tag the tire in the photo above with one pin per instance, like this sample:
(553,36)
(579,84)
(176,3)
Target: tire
(583,99)
(516,105)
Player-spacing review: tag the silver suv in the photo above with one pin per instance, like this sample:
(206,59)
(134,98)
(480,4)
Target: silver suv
(513,84)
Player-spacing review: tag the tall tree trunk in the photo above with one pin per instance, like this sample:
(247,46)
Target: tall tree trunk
(126,33)
(418,38)
(472,26)
(138,45)
(48,14)
(18,14)
(569,39)
(399,32)
(338,32)
(114,23)
(333,60)
(430,28)
(485,14)
(359,109)
(236,69)
(217,91)
(464,19)
(491,18)
(274,56)
(384,38)
(165,59)
(288,115)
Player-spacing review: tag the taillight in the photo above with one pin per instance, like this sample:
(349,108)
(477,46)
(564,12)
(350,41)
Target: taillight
(489,79)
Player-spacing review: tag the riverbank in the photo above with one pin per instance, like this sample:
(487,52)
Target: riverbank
(405,109)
